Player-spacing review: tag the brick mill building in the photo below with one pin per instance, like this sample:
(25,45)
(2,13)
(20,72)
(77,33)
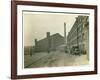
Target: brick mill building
(79,34)
(50,43)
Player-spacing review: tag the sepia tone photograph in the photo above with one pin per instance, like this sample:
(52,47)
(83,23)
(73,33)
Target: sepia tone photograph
(54,39)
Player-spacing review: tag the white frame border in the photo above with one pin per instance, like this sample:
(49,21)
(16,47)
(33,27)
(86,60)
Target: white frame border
(21,71)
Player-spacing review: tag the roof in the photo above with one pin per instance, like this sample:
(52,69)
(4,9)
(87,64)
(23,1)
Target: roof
(54,36)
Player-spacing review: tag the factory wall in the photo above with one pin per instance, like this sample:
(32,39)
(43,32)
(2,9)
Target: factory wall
(79,34)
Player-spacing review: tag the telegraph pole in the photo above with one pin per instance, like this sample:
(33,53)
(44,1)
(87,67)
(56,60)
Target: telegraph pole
(64,32)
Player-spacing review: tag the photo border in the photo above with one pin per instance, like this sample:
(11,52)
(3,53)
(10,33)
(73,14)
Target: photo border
(14,38)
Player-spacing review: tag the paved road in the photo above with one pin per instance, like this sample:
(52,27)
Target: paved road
(54,59)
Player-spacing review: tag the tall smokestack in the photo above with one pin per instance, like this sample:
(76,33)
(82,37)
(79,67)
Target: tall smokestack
(64,32)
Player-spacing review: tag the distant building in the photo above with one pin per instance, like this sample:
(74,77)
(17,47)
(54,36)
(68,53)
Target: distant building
(28,50)
(50,43)
(79,34)
(55,42)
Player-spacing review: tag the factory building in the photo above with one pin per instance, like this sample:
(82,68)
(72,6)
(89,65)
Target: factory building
(49,43)
(79,35)
(53,42)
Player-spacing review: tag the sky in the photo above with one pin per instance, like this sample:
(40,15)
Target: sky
(36,24)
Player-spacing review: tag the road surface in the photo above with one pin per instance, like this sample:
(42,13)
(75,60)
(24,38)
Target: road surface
(54,59)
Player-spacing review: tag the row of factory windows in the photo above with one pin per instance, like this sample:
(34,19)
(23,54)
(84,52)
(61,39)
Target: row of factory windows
(79,29)
(79,24)
(77,39)
(75,33)
(83,36)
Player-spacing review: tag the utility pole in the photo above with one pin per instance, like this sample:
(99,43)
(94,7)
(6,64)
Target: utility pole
(36,45)
(48,42)
(64,32)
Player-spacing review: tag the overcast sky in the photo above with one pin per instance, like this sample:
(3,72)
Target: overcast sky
(37,24)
